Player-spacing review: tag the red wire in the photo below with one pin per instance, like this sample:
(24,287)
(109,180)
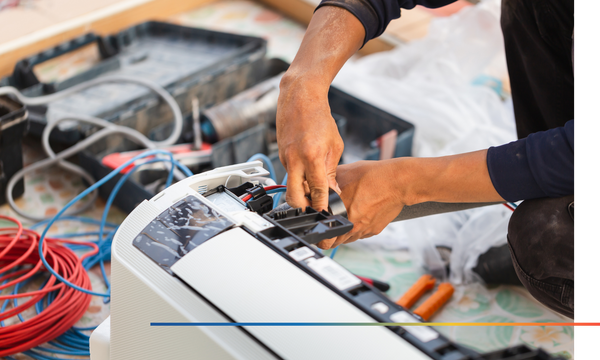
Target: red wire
(508,206)
(17,247)
(270,187)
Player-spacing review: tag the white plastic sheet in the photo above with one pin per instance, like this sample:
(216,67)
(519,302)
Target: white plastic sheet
(429,83)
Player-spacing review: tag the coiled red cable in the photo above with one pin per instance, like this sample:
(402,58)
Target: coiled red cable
(18,247)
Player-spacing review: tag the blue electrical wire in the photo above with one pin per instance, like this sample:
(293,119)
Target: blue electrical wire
(35,355)
(112,197)
(276,191)
(277,197)
(79,197)
(265,159)
(74,342)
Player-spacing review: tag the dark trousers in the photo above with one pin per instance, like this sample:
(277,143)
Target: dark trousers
(538,38)
(538,42)
(540,239)
(539,254)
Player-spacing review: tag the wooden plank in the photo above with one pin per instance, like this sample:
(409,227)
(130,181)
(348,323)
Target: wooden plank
(123,14)
(104,21)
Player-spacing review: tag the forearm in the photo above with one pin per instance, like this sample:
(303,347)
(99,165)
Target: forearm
(310,146)
(459,178)
(375,192)
(332,37)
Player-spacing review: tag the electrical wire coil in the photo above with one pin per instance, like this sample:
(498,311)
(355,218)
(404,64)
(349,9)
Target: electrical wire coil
(21,263)
(106,129)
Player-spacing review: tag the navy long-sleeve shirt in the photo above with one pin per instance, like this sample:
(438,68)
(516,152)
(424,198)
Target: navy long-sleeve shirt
(540,165)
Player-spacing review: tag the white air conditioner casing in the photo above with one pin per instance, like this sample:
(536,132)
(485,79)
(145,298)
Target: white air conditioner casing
(236,277)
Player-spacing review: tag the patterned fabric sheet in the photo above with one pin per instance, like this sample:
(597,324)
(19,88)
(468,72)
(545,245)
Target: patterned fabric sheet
(47,191)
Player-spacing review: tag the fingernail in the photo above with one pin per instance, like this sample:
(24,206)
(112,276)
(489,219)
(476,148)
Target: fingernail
(337,189)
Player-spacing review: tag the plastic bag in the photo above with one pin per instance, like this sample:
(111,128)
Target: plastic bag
(485,228)
(429,83)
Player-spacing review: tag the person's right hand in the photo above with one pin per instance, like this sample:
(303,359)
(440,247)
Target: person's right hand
(310,146)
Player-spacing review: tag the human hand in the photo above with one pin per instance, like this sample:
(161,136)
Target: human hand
(310,146)
(370,194)
(375,192)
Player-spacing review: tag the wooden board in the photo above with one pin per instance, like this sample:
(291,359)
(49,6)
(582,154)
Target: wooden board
(60,20)
(112,18)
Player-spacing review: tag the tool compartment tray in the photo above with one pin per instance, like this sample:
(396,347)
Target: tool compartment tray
(355,118)
(187,62)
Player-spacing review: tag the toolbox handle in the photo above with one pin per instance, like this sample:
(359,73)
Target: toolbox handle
(23,76)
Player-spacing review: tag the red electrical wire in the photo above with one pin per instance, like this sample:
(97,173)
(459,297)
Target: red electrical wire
(271,187)
(18,247)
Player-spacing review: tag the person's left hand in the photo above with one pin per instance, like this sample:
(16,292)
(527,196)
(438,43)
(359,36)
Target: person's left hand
(370,194)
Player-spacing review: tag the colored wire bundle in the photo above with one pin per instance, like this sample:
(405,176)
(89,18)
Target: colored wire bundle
(510,205)
(74,342)
(22,264)
(71,340)
(265,159)
(91,189)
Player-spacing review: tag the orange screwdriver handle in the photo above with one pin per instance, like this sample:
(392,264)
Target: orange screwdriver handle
(435,301)
(410,297)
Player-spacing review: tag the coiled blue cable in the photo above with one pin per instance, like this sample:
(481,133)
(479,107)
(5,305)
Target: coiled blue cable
(78,343)
(79,197)
(74,342)
(112,197)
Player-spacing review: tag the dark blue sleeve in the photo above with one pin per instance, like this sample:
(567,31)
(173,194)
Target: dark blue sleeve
(540,165)
(375,15)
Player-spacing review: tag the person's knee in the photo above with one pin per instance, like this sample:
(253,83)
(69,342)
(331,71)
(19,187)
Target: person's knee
(540,236)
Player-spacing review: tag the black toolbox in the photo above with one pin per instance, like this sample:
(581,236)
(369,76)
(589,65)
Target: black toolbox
(189,63)
(357,121)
